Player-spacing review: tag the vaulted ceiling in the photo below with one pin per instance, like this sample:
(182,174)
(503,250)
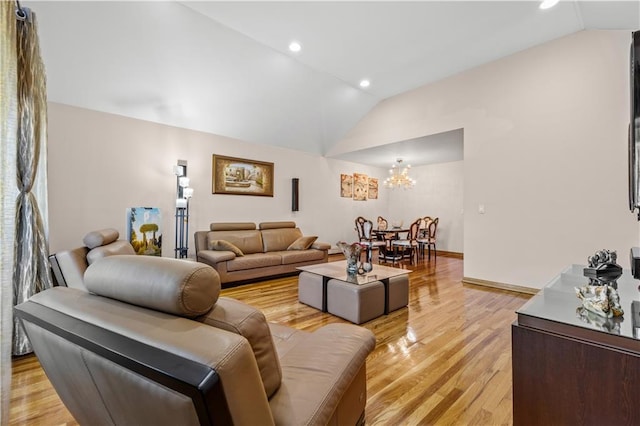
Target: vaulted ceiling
(225,67)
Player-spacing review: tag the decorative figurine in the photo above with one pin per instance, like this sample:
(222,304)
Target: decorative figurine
(601,296)
(603,268)
(610,325)
(602,300)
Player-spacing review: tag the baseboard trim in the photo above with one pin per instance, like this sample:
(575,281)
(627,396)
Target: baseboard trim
(501,286)
(450,254)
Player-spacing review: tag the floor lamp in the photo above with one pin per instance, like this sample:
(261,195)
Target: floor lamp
(183,195)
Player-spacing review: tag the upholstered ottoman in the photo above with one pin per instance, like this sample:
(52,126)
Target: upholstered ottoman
(310,289)
(398,292)
(357,303)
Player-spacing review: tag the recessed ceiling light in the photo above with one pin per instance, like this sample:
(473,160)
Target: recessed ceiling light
(548,4)
(365,83)
(294,46)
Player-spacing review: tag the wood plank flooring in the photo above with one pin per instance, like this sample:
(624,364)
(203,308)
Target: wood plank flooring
(445,360)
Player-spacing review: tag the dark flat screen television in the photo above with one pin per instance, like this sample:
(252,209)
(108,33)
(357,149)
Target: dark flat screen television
(634,126)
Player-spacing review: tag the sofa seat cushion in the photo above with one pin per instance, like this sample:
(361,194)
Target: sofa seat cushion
(285,338)
(297,256)
(316,374)
(240,318)
(248,241)
(252,261)
(279,239)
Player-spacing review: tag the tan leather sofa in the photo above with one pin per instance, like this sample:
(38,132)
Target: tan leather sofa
(151,342)
(264,250)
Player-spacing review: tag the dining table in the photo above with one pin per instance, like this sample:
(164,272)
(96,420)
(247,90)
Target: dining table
(396,231)
(388,253)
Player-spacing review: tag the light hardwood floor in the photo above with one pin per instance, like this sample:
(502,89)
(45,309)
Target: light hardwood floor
(446,359)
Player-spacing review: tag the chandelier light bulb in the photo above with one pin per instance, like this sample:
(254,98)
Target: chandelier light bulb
(399,177)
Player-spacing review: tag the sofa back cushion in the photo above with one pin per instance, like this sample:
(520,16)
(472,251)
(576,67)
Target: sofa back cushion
(100,237)
(247,321)
(279,239)
(104,242)
(231,226)
(277,225)
(177,287)
(111,249)
(248,241)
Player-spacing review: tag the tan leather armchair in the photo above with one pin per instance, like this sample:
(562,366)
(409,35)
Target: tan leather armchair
(151,342)
(68,266)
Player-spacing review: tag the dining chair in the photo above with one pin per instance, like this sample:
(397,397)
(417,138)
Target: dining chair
(387,237)
(409,246)
(430,239)
(423,234)
(424,225)
(383,225)
(364,227)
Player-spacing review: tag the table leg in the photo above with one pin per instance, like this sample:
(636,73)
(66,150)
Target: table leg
(325,280)
(385,282)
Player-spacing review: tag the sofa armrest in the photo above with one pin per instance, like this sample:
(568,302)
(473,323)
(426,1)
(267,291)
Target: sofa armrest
(317,372)
(247,321)
(212,257)
(318,245)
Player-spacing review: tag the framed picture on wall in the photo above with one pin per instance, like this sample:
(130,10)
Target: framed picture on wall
(373,189)
(360,187)
(346,186)
(239,176)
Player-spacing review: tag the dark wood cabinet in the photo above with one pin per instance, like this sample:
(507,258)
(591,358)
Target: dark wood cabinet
(569,369)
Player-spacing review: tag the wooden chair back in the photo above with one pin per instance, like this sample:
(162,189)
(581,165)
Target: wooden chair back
(414,230)
(360,221)
(433,227)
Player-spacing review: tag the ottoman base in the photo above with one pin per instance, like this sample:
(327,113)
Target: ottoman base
(355,303)
(398,292)
(310,289)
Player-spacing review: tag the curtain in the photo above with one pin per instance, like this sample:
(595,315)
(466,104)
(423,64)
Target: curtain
(31,264)
(8,193)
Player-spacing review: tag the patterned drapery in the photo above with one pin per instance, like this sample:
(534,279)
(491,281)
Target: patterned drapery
(8,193)
(31,268)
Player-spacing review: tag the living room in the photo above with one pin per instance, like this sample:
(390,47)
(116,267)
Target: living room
(101,164)
(545,155)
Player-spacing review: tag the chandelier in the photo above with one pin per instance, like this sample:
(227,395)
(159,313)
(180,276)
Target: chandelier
(399,176)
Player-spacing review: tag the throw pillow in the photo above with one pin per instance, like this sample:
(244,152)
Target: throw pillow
(302,243)
(224,245)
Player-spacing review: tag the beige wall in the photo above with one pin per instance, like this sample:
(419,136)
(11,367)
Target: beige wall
(545,151)
(438,193)
(100,164)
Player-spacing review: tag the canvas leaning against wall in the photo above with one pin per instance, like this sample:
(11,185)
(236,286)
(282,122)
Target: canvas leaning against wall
(143,230)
